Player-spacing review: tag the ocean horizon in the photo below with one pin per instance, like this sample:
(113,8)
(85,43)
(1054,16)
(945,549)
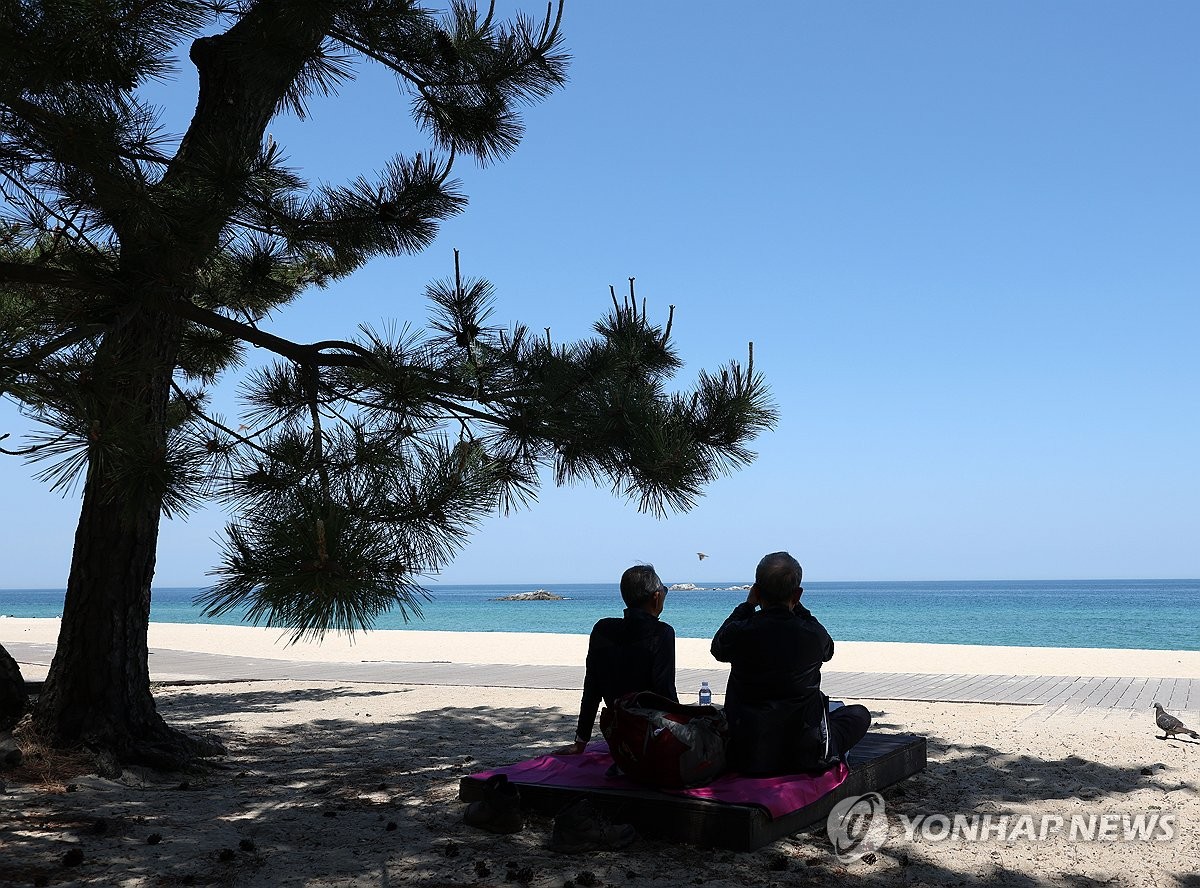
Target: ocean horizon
(1130,614)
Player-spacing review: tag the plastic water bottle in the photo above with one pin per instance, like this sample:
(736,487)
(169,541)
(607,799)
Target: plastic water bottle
(705,694)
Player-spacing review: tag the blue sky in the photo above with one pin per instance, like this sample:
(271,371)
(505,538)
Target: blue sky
(962,236)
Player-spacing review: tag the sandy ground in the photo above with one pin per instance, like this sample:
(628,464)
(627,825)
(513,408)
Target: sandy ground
(356,785)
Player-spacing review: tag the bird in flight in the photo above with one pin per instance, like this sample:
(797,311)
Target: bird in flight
(701,555)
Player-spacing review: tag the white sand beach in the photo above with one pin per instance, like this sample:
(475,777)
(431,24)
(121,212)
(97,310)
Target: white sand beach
(344,784)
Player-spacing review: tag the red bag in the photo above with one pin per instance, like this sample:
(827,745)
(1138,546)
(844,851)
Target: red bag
(660,742)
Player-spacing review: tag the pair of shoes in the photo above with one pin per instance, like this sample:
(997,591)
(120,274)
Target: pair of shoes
(580,827)
(499,810)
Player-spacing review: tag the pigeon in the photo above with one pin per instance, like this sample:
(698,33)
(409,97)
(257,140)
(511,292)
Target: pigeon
(1171,725)
(701,555)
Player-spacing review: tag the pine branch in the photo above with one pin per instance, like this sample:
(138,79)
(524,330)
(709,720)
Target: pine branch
(293,351)
(195,410)
(32,449)
(114,190)
(24,273)
(44,207)
(66,340)
(343,36)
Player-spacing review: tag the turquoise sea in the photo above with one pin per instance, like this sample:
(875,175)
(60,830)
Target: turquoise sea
(1153,614)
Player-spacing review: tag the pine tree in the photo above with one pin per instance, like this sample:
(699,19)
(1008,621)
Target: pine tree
(135,272)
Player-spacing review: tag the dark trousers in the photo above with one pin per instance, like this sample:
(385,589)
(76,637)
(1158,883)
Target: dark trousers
(779,738)
(848,725)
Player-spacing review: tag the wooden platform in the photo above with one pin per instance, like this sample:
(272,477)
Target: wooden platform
(878,761)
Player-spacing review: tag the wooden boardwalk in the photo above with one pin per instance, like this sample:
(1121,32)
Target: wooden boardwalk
(1046,694)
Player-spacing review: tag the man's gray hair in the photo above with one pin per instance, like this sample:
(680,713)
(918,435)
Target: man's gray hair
(777,577)
(639,584)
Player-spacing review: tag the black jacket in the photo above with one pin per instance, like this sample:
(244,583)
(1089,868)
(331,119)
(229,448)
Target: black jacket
(774,702)
(633,653)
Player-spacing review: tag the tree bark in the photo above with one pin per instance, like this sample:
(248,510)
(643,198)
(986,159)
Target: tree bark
(97,692)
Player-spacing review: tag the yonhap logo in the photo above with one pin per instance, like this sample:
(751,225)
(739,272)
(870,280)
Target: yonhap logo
(857,826)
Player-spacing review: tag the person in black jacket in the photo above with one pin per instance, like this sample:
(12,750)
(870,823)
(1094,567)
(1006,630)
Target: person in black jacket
(778,717)
(633,653)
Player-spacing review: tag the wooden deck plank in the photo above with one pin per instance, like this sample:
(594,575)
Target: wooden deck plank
(1065,692)
(1061,694)
(965,685)
(1165,688)
(1007,688)
(957,692)
(1193,701)
(1168,691)
(1060,685)
(856,682)
(846,685)
(1078,690)
(1035,687)
(1098,689)
(993,689)
(1147,694)
(1064,682)
(1020,689)
(943,688)
(1012,689)
(1179,695)
(841,685)
(927,686)
(1129,696)
(1015,689)
(902,686)
(891,683)
(976,691)
(1102,689)
(948,686)
(1042,689)
(1116,688)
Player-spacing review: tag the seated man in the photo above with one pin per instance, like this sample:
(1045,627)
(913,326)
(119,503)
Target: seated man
(777,714)
(633,653)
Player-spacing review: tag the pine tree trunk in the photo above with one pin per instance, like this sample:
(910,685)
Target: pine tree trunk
(97,692)
(98,689)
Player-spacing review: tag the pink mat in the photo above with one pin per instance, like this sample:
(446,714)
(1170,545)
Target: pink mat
(779,795)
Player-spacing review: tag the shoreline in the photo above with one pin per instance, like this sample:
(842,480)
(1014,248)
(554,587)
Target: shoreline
(551,649)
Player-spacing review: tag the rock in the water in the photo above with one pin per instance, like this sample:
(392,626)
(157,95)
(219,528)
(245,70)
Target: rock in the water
(536,595)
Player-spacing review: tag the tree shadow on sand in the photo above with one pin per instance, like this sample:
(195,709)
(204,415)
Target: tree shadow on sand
(335,801)
(204,704)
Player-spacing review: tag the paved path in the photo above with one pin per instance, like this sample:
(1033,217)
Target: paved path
(1047,694)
